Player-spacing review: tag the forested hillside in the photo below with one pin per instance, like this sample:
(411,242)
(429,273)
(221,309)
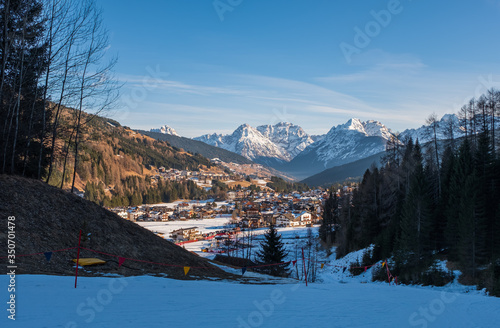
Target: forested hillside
(348,172)
(198,147)
(115,163)
(424,206)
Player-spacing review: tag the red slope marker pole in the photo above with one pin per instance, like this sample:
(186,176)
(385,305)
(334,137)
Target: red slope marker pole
(304,261)
(78,256)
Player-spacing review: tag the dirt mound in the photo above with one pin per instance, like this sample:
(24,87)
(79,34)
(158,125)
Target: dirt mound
(48,219)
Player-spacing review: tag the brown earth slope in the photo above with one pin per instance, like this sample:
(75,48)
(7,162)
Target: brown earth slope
(47,219)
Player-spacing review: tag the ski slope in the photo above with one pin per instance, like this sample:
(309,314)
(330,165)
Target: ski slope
(52,301)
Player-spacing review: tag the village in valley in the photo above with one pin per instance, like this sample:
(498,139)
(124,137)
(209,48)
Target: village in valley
(249,207)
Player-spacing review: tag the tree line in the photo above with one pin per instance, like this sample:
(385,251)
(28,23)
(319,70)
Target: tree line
(54,66)
(427,202)
(56,80)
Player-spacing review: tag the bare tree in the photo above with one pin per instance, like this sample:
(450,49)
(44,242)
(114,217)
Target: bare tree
(432,121)
(97,90)
(463,117)
(471,108)
(493,104)
(67,60)
(481,105)
(19,93)
(5,47)
(449,132)
(58,29)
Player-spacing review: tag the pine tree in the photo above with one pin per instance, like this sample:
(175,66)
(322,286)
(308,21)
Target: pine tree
(330,219)
(485,202)
(414,241)
(22,58)
(272,252)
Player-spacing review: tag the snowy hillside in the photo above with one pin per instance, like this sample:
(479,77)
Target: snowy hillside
(288,148)
(343,144)
(292,138)
(146,301)
(449,126)
(166,130)
(335,299)
(425,133)
(285,142)
(265,144)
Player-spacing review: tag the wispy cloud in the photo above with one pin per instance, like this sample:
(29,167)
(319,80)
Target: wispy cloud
(398,90)
(377,65)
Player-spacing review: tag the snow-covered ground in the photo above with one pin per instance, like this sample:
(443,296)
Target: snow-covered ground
(212,225)
(52,301)
(336,299)
(203,226)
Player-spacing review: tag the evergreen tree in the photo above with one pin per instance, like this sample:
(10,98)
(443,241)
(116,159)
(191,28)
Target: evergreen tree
(272,252)
(414,241)
(485,202)
(23,116)
(330,219)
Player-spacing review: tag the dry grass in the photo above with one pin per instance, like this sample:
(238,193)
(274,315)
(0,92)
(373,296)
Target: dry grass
(232,184)
(48,219)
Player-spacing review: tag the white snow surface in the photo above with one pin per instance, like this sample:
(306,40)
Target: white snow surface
(425,133)
(144,301)
(203,226)
(336,299)
(166,130)
(282,141)
(292,138)
(348,142)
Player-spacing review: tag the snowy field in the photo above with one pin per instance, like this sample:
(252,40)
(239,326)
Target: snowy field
(52,301)
(212,225)
(336,299)
(203,226)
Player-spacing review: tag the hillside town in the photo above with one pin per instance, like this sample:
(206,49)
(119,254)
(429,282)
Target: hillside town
(230,173)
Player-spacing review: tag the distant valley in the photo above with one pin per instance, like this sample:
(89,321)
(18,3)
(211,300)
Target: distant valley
(286,147)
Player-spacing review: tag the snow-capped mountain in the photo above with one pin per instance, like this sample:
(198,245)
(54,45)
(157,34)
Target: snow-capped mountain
(266,144)
(350,141)
(289,148)
(248,142)
(292,138)
(212,139)
(425,133)
(166,130)
(343,144)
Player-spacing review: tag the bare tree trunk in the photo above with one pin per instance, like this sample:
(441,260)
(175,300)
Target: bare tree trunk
(5,50)
(493,101)
(58,111)
(66,158)
(30,125)
(76,33)
(18,104)
(6,134)
(57,23)
(463,116)
(432,120)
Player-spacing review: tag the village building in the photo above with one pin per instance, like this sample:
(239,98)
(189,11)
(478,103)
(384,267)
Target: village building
(185,234)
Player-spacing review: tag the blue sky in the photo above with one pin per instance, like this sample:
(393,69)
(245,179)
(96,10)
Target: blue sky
(207,66)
